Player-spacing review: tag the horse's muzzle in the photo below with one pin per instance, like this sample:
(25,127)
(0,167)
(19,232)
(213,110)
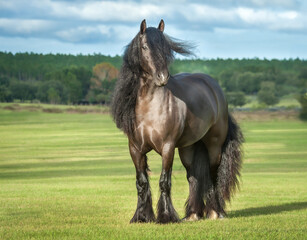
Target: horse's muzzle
(162,79)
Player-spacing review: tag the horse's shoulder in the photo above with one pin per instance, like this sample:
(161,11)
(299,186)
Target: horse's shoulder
(193,78)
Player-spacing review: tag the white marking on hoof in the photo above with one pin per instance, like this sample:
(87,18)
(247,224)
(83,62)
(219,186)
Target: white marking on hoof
(193,217)
(213,215)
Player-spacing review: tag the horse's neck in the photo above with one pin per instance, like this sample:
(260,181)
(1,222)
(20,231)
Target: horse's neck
(150,94)
(148,90)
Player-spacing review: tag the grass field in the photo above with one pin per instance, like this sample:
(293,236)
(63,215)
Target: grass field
(69,176)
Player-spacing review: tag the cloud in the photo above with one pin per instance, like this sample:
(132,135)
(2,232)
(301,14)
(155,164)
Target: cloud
(24,27)
(205,15)
(105,11)
(266,19)
(280,4)
(119,11)
(274,3)
(117,22)
(243,17)
(201,12)
(85,34)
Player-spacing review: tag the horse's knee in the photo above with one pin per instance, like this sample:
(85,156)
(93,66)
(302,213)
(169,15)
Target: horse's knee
(165,182)
(165,208)
(142,183)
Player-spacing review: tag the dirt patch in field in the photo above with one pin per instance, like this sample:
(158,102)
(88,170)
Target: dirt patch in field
(11,108)
(265,115)
(17,107)
(239,115)
(57,109)
(52,110)
(87,110)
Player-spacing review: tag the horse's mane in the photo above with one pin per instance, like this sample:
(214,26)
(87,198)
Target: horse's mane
(128,83)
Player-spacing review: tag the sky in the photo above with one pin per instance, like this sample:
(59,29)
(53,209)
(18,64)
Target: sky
(218,28)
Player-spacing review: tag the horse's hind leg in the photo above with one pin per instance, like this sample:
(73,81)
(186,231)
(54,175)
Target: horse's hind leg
(144,211)
(214,140)
(166,210)
(196,161)
(214,200)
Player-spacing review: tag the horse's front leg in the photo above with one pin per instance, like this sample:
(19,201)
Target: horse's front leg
(166,211)
(144,211)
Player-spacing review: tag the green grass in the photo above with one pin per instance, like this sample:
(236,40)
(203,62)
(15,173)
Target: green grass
(70,176)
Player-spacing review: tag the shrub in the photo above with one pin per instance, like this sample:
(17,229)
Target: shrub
(236,98)
(303,101)
(267,93)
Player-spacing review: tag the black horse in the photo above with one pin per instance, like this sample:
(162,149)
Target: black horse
(185,111)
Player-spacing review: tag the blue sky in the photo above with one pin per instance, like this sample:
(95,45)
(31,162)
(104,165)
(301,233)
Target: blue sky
(219,28)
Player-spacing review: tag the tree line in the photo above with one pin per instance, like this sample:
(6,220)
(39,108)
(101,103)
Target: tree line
(60,78)
(71,79)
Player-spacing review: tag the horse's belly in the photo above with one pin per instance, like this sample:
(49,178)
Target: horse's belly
(194,130)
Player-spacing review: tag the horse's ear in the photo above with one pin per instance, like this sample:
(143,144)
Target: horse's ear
(143,26)
(161,25)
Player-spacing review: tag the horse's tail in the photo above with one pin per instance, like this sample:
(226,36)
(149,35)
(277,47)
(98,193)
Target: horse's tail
(231,161)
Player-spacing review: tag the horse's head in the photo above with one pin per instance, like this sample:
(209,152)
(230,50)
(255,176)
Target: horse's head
(155,53)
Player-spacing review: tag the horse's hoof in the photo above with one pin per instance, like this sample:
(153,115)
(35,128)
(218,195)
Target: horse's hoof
(193,217)
(212,215)
(139,218)
(166,218)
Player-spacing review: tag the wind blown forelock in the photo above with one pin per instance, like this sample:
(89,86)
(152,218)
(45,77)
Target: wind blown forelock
(164,47)
(182,47)
(126,89)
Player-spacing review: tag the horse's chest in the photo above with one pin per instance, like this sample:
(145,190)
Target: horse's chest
(157,123)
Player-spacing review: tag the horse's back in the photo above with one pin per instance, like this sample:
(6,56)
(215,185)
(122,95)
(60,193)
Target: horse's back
(197,79)
(200,92)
